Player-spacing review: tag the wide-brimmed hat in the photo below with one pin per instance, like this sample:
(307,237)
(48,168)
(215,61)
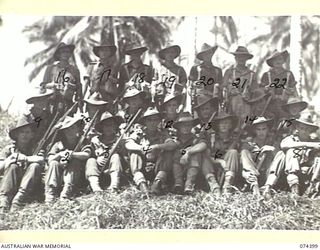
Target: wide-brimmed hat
(70,121)
(175,48)
(62,46)
(294,101)
(241,50)
(204,99)
(223,116)
(112,48)
(185,117)
(107,116)
(149,112)
(261,120)
(276,54)
(131,92)
(95,99)
(170,97)
(206,49)
(22,122)
(306,119)
(38,94)
(134,48)
(257,95)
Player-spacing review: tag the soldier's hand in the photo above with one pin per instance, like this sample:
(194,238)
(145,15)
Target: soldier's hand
(102,160)
(185,158)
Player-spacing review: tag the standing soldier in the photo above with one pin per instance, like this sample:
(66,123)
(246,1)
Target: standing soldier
(101,162)
(279,82)
(205,75)
(64,78)
(255,167)
(240,81)
(172,77)
(22,170)
(135,73)
(102,75)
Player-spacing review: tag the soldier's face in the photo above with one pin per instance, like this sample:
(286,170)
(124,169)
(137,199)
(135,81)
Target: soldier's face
(170,55)
(241,59)
(261,131)
(134,103)
(278,62)
(104,54)
(185,128)
(304,131)
(64,54)
(109,128)
(225,125)
(294,109)
(72,134)
(206,110)
(259,106)
(171,107)
(152,122)
(38,106)
(25,135)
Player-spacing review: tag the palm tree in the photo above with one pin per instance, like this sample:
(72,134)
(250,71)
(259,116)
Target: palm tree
(89,31)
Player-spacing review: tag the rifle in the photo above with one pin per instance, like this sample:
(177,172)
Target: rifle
(114,147)
(86,131)
(54,130)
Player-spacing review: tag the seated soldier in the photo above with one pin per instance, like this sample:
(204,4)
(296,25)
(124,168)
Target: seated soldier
(169,110)
(22,170)
(225,149)
(298,160)
(257,154)
(100,161)
(206,108)
(158,150)
(64,163)
(187,159)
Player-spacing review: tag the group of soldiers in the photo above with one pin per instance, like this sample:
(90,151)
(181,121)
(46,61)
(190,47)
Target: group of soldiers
(130,124)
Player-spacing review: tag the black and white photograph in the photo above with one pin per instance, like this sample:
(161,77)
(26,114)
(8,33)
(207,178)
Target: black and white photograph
(160,122)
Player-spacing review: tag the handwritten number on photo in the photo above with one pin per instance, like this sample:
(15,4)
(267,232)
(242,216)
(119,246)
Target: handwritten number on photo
(277,84)
(169,124)
(62,74)
(250,119)
(109,73)
(139,78)
(66,157)
(86,119)
(297,152)
(202,80)
(258,152)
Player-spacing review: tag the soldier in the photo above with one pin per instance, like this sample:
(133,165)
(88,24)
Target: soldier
(169,110)
(207,106)
(187,159)
(100,161)
(158,147)
(225,149)
(22,170)
(258,102)
(103,74)
(135,73)
(65,164)
(255,167)
(64,78)
(298,160)
(240,81)
(279,81)
(172,77)
(205,75)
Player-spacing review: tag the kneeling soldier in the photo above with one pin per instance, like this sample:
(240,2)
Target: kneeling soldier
(101,161)
(65,165)
(22,170)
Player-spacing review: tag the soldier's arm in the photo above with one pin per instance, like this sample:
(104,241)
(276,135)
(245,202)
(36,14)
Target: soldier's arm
(197,148)
(182,76)
(219,75)
(131,145)
(47,75)
(264,80)
(193,74)
(168,145)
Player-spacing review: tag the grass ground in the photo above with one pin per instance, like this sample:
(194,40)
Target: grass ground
(128,210)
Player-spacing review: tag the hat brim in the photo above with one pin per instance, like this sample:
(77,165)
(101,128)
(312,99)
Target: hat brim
(111,48)
(213,100)
(176,97)
(257,98)
(143,118)
(13,133)
(269,123)
(70,124)
(71,47)
(194,121)
(201,54)
(283,54)
(176,48)
(311,125)
(248,55)
(139,50)
(118,120)
(128,97)
(95,102)
(303,106)
(33,99)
